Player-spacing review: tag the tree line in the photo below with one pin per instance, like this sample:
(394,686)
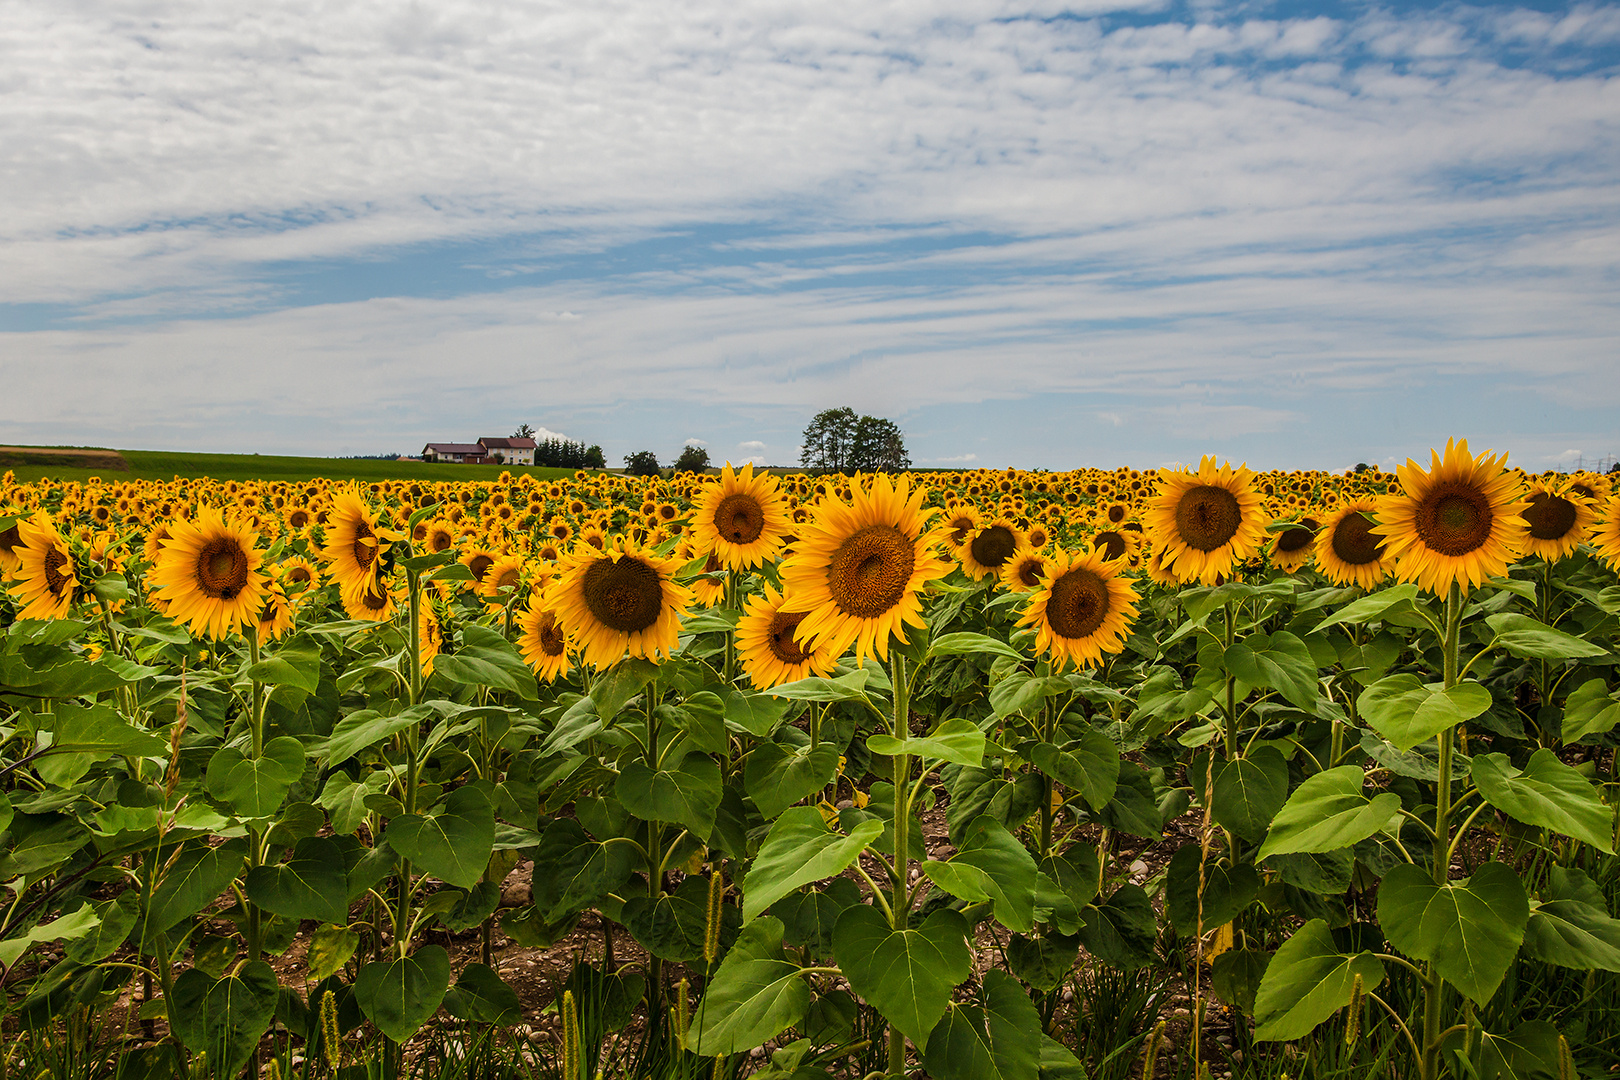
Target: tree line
(837,440)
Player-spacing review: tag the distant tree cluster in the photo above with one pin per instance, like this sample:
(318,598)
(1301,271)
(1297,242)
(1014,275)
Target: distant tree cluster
(641,463)
(563,454)
(692,459)
(839,441)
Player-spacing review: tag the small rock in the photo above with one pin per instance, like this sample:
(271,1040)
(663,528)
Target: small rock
(846,804)
(517,894)
(757,1052)
(1179,1012)
(1068,993)
(1138,869)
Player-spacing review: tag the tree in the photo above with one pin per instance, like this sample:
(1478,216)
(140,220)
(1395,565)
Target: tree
(878,446)
(641,463)
(524,431)
(692,459)
(594,459)
(839,441)
(828,440)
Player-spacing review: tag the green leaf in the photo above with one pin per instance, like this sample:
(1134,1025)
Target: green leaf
(194,881)
(1531,1052)
(672,926)
(296,666)
(955,740)
(254,787)
(1406,711)
(907,975)
(1280,661)
(330,947)
(800,849)
(1469,930)
(399,997)
(1249,791)
(480,996)
(1043,962)
(452,845)
(1123,931)
(779,774)
(99,729)
(1369,607)
(367,728)
(990,864)
(613,691)
(1227,890)
(118,918)
(313,884)
(1571,926)
(486,658)
(688,794)
(224,1018)
(756,994)
(1328,812)
(1308,980)
(998,1040)
(1547,793)
(578,869)
(1236,976)
(1590,710)
(1524,636)
(756,713)
(1058,1061)
(809,918)
(1091,767)
(69,927)
(965,644)
(850,687)
(345,799)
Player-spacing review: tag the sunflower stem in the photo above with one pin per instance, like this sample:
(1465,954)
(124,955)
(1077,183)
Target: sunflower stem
(900,905)
(1433,992)
(255,933)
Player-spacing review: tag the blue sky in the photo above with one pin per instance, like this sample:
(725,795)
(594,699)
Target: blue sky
(1040,234)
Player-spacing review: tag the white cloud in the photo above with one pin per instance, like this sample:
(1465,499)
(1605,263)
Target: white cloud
(752,445)
(694,442)
(956,459)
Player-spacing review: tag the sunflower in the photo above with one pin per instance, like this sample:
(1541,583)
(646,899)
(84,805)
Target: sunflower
(1116,544)
(10,540)
(1461,521)
(768,649)
(621,600)
(541,641)
(44,577)
(1159,573)
(1038,537)
(959,524)
(1084,609)
(1291,550)
(478,560)
(1024,571)
(154,542)
(371,600)
(706,590)
(501,581)
(275,616)
(988,547)
(1559,519)
(859,567)
(439,535)
(355,544)
(741,518)
(1605,536)
(298,575)
(429,636)
(1205,522)
(208,574)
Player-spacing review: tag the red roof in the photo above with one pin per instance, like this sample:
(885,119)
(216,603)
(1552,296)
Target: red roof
(508,444)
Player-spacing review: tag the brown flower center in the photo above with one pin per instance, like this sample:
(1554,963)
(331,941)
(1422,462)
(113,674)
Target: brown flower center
(222,568)
(365,545)
(439,540)
(1298,539)
(10,539)
(959,528)
(56,581)
(1112,543)
(1454,519)
(624,594)
(869,571)
(993,546)
(780,638)
(1354,542)
(551,638)
(1078,604)
(1550,516)
(739,518)
(1030,572)
(1207,517)
(479,565)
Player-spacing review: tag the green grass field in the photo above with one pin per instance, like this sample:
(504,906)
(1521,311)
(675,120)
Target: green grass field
(25,462)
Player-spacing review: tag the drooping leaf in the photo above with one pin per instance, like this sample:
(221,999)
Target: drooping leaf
(779,774)
(997,1040)
(955,740)
(225,1017)
(254,787)
(454,844)
(1090,767)
(69,927)
(1328,812)
(688,794)
(1308,980)
(1280,661)
(1249,791)
(907,975)
(800,849)
(191,884)
(1227,891)
(1407,711)
(1571,925)
(1547,793)
(482,997)
(990,864)
(313,884)
(1523,636)
(756,993)
(398,996)
(1469,930)
(1123,931)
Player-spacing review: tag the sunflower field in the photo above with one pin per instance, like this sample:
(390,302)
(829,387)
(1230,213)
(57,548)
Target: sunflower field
(989,775)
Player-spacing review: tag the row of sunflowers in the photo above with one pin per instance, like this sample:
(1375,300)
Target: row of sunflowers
(257,713)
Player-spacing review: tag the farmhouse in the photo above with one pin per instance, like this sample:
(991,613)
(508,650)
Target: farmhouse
(514,451)
(459,453)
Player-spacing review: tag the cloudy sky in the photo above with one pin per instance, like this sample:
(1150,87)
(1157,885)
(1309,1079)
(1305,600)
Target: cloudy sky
(1034,233)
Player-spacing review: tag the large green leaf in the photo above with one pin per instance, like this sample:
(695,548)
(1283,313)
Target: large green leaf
(990,864)
(1249,791)
(345,798)
(1369,607)
(482,997)
(756,994)
(998,1040)
(295,664)
(452,845)
(1280,661)
(578,870)
(907,975)
(779,774)
(1547,793)
(1590,710)
(99,729)
(366,728)
(486,658)
(1571,925)
(1091,766)
(224,1017)
(849,687)
(1523,636)
(70,927)
(1123,931)
(756,713)
(1407,711)
(966,644)
(799,849)
(688,794)
(672,926)
(1328,812)
(195,880)
(313,884)
(1308,980)
(399,996)
(254,787)
(955,740)
(1227,891)
(1531,1052)
(1469,930)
